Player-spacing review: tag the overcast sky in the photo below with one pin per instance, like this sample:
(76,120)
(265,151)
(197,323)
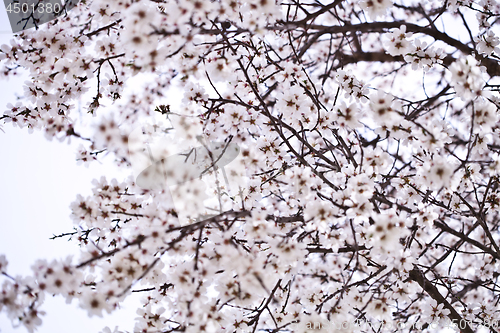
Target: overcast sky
(4,22)
(38,181)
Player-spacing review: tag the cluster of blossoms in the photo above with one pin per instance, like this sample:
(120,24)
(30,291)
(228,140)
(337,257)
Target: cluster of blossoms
(326,181)
(487,43)
(21,297)
(467,78)
(351,86)
(84,156)
(416,52)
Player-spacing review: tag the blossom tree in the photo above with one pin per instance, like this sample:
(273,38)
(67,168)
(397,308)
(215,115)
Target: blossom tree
(368,141)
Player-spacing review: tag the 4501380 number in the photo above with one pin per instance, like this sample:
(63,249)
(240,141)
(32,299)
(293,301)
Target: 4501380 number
(40,7)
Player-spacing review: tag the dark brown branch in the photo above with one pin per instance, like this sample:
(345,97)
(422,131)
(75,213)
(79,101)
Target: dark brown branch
(417,276)
(348,248)
(491,65)
(466,238)
(109,26)
(256,317)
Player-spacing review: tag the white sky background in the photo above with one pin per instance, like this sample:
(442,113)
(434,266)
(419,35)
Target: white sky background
(38,181)
(4,23)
